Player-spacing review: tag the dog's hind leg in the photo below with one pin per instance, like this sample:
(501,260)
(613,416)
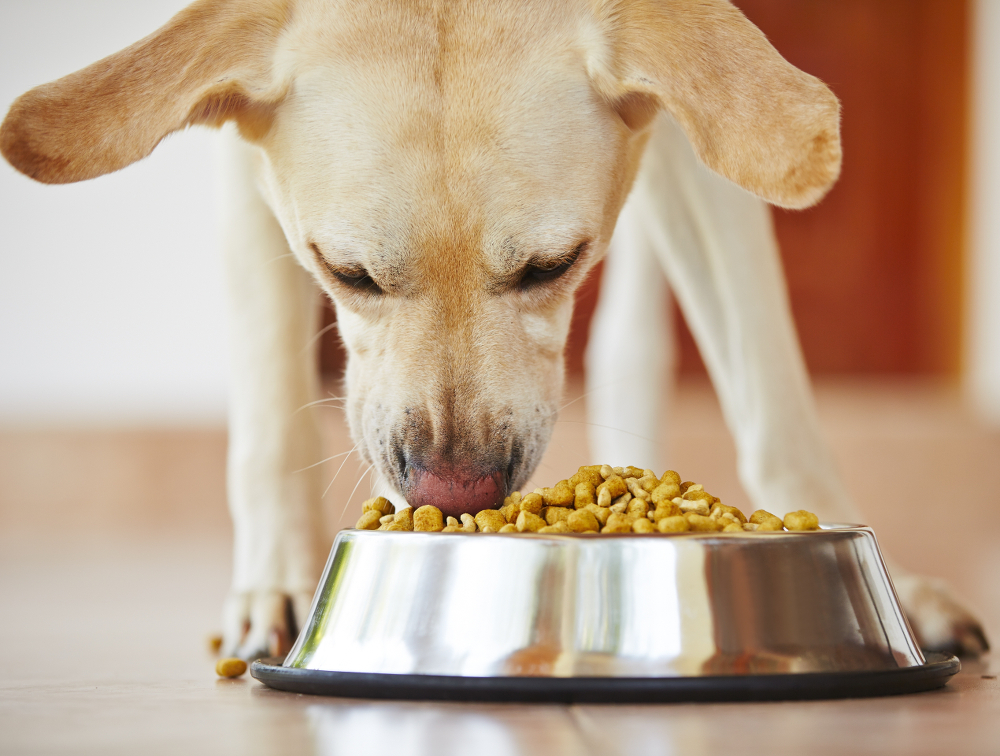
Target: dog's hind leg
(717,246)
(630,351)
(273,438)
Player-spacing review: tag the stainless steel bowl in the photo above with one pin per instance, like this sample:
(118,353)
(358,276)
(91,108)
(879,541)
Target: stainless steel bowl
(633,606)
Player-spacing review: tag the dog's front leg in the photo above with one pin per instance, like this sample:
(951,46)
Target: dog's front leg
(718,248)
(273,439)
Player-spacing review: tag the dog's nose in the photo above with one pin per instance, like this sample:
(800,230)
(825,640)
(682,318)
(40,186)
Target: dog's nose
(453,492)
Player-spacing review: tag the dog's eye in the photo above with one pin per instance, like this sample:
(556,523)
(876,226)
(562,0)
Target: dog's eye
(358,280)
(538,273)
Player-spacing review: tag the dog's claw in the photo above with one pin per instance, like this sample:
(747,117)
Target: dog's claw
(264,623)
(939,622)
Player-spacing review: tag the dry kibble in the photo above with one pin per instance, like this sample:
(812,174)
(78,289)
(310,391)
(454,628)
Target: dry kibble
(636,490)
(559,496)
(615,485)
(601,513)
(702,523)
(674,524)
(801,520)
(532,503)
(369,520)
(559,527)
(583,521)
(766,521)
(637,508)
(428,518)
(528,522)
(230,667)
(665,492)
(552,515)
(490,518)
(584,494)
(379,504)
(643,525)
(671,477)
(595,499)
(698,506)
(618,523)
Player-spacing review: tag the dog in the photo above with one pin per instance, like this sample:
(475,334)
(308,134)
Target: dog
(448,173)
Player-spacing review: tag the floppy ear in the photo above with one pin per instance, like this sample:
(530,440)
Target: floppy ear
(209,64)
(750,115)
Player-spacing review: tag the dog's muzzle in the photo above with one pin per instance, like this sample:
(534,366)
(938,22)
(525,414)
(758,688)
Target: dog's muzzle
(454,492)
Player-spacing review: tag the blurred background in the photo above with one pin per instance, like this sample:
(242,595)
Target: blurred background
(113,367)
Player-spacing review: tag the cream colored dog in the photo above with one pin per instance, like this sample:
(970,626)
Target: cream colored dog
(449,172)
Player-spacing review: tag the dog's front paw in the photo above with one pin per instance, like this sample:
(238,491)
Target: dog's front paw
(263,623)
(938,619)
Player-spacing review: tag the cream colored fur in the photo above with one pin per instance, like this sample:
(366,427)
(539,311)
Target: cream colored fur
(418,159)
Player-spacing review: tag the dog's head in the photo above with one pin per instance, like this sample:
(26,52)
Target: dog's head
(450,174)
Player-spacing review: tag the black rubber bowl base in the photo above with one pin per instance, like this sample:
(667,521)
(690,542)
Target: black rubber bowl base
(820,685)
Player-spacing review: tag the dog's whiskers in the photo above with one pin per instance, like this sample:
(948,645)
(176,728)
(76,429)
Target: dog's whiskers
(347,457)
(318,336)
(608,427)
(348,501)
(326,400)
(316,464)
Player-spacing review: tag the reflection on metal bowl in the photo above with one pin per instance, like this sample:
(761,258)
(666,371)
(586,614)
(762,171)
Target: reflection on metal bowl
(606,606)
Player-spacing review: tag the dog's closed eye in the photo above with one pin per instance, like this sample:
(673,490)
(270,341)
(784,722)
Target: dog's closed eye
(539,272)
(359,280)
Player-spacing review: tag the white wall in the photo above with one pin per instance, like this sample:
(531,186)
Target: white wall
(110,290)
(983,316)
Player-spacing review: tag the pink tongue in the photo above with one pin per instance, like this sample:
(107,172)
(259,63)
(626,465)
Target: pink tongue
(454,496)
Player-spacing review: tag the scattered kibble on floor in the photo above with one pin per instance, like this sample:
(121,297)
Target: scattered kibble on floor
(230,667)
(596,499)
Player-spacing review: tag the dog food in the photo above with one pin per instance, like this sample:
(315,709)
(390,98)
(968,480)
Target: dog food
(230,667)
(596,499)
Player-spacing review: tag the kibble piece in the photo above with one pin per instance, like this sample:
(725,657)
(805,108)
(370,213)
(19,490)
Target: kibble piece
(509,528)
(402,520)
(532,503)
(369,520)
(671,477)
(584,494)
(468,523)
(648,482)
(667,509)
(490,518)
(552,515)
(675,524)
(230,667)
(604,498)
(766,521)
(583,521)
(615,485)
(698,506)
(665,492)
(561,495)
(618,523)
(559,527)
(643,525)
(702,523)
(601,513)
(637,508)
(429,519)
(801,520)
(607,471)
(528,522)
(720,509)
(379,504)
(733,527)
(633,472)
(686,485)
(750,526)
(452,522)
(636,490)
(453,529)
(589,474)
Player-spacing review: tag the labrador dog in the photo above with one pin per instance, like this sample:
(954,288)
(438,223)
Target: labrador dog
(448,172)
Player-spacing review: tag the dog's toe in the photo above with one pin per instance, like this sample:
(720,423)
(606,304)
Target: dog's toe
(938,619)
(262,623)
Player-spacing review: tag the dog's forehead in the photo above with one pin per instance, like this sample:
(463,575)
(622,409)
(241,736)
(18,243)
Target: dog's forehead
(461,119)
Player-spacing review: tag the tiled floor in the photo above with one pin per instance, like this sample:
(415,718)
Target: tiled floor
(114,557)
